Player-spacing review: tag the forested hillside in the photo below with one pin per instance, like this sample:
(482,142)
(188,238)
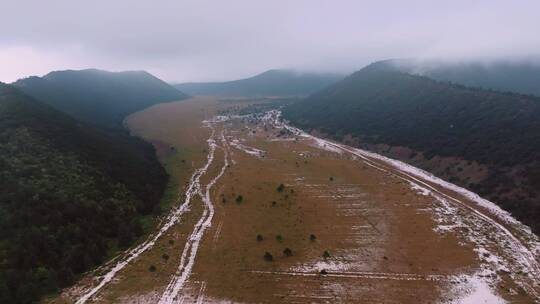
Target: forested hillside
(484,140)
(69,195)
(99,97)
(506,76)
(269,83)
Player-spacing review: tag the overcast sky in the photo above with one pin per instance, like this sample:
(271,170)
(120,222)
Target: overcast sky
(219,40)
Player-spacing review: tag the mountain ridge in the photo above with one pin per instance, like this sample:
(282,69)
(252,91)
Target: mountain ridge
(275,82)
(99,97)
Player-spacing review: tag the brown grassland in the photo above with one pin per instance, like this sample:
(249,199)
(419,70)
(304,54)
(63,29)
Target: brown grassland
(379,234)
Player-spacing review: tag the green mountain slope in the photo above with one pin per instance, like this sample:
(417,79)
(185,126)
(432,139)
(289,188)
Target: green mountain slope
(99,97)
(484,140)
(507,76)
(269,83)
(69,194)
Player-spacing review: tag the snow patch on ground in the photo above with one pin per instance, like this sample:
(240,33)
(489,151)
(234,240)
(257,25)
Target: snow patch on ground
(474,290)
(249,150)
(420,190)
(322,144)
(318,266)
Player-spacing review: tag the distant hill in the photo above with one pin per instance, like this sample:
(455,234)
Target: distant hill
(507,76)
(99,97)
(69,195)
(484,140)
(269,83)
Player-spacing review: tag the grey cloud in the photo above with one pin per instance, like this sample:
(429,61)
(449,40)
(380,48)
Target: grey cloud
(215,40)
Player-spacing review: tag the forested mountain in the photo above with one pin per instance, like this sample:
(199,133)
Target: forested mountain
(484,140)
(69,195)
(269,83)
(507,76)
(99,97)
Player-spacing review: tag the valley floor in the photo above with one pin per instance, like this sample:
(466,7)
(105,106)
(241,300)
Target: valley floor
(269,214)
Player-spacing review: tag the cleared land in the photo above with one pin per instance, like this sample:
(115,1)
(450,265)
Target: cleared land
(267,214)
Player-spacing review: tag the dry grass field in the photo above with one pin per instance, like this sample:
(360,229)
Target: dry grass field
(291,220)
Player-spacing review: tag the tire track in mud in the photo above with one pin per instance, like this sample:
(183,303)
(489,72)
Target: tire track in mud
(363,275)
(200,298)
(171,219)
(191,247)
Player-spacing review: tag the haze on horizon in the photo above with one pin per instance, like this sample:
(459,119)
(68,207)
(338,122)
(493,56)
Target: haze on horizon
(207,40)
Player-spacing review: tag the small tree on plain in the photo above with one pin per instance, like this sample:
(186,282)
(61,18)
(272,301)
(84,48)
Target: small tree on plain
(268,257)
(287,252)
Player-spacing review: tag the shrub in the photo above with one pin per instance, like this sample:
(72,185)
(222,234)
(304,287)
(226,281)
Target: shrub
(152,268)
(312,237)
(268,257)
(280,188)
(279,238)
(326,254)
(165,256)
(259,238)
(287,252)
(239,199)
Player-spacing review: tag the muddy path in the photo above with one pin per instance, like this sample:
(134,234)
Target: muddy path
(269,214)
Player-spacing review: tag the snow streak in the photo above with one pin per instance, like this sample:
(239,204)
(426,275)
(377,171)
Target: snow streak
(249,150)
(191,247)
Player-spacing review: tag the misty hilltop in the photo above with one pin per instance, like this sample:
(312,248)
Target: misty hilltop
(269,83)
(99,97)
(517,75)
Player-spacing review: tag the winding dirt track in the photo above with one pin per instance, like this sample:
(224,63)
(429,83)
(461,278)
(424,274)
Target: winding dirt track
(192,245)
(190,249)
